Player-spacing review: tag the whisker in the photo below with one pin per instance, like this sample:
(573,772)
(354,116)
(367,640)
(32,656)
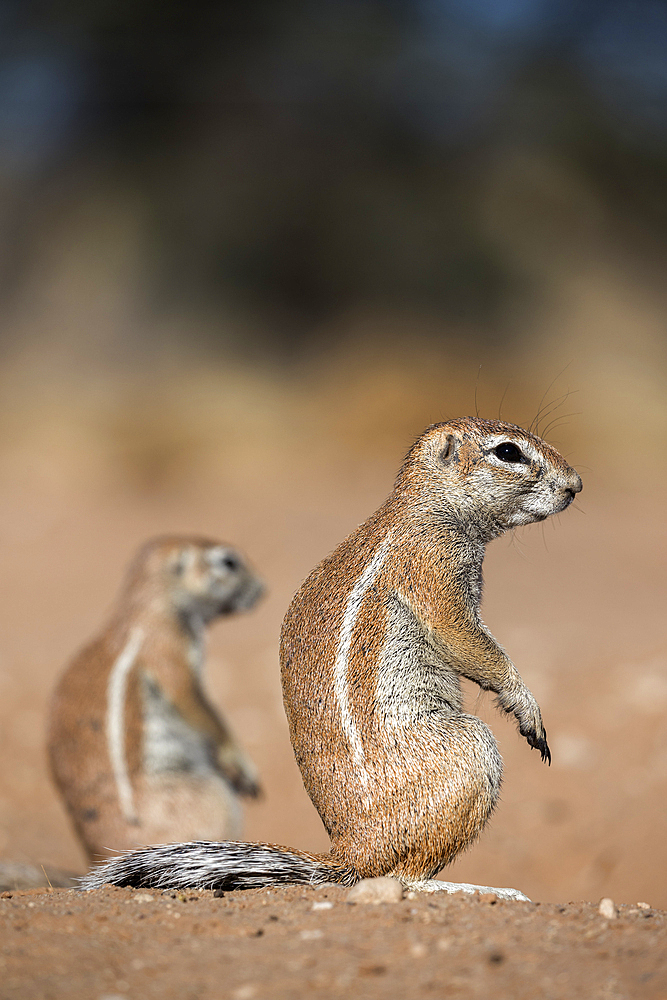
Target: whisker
(478,701)
(502,400)
(550,408)
(544,538)
(479,371)
(517,543)
(554,423)
(557,403)
(544,396)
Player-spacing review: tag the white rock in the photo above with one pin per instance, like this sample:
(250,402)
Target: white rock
(313,935)
(376,890)
(607,908)
(324,905)
(143,897)
(246,992)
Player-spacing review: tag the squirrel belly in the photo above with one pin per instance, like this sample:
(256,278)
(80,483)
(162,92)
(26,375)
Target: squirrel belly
(373,647)
(402,778)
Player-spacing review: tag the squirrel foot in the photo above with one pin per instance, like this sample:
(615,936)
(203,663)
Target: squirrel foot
(435,885)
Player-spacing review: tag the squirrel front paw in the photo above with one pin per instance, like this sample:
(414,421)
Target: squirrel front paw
(539,743)
(245,785)
(240,772)
(521,703)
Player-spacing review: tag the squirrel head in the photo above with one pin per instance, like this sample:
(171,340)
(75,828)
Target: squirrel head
(486,476)
(193,577)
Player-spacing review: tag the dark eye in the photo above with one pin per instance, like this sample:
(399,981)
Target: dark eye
(229,562)
(508,452)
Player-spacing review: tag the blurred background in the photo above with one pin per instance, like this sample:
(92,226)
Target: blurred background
(247,252)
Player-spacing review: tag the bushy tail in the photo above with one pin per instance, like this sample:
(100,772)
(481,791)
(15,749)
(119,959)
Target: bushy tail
(226,865)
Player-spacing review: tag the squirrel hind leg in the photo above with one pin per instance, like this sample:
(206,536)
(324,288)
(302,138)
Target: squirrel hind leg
(435,885)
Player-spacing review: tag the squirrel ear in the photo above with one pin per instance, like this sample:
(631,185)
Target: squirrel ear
(449,451)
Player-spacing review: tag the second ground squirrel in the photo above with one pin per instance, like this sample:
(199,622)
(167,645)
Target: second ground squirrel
(137,751)
(373,646)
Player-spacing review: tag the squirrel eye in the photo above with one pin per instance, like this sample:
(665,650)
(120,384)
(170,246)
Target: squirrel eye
(508,452)
(229,562)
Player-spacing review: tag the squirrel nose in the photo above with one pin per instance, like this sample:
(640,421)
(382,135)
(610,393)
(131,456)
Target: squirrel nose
(574,485)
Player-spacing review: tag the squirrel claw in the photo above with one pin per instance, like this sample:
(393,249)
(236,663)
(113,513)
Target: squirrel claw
(244,785)
(540,743)
(251,790)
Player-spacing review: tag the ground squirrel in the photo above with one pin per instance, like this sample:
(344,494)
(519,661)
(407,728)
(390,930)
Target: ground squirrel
(137,750)
(372,649)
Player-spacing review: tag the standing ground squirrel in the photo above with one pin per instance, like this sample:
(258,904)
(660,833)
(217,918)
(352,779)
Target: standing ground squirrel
(372,649)
(137,751)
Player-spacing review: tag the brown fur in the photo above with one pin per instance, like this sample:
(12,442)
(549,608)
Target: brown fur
(174,587)
(426,776)
(372,650)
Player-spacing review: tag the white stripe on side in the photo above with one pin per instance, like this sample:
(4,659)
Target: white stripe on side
(115,721)
(365,580)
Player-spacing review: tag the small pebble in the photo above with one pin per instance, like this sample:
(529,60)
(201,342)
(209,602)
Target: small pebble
(644,906)
(418,950)
(376,890)
(246,992)
(324,905)
(313,935)
(607,908)
(143,897)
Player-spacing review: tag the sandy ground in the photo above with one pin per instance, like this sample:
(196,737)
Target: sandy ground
(579,604)
(296,942)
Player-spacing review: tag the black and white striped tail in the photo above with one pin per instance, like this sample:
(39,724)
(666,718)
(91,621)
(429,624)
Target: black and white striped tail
(225,865)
